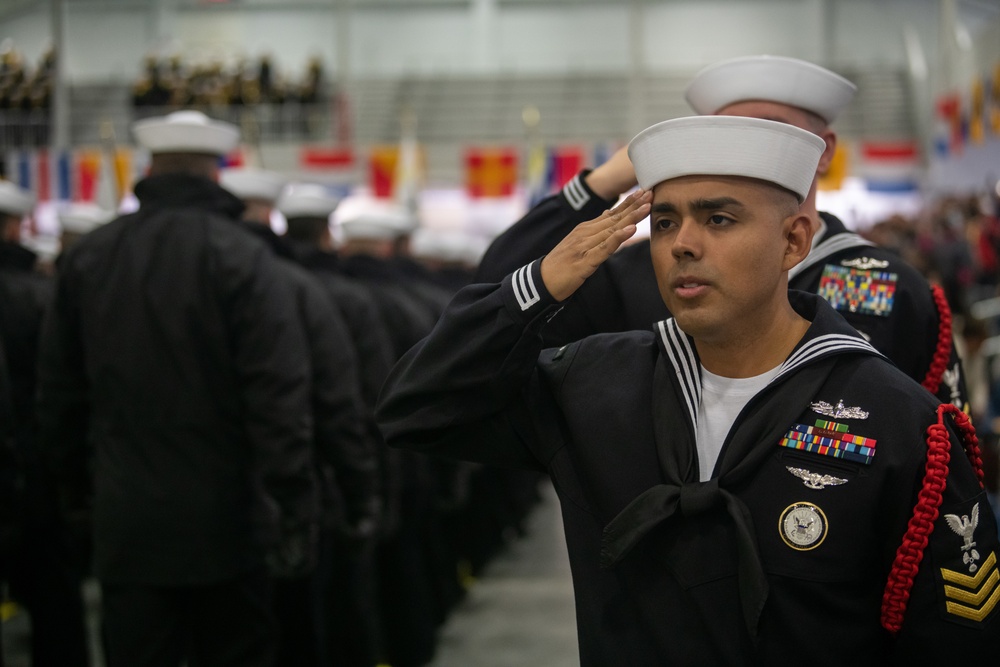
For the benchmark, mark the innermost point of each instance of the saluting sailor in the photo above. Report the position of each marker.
(745, 480)
(883, 297)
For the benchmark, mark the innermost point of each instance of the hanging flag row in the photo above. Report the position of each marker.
(489, 171)
(970, 116)
(81, 175)
(496, 171)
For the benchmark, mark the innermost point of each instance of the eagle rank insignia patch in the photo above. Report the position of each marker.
(968, 579)
(802, 526)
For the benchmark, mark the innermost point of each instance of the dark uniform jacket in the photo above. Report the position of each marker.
(175, 361)
(355, 302)
(782, 557)
(884, 298)
(24, 296)
(343, 420)
(345, 453)
(11, 478)
(407, 315)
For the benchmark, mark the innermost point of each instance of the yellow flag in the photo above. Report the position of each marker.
(833, 179)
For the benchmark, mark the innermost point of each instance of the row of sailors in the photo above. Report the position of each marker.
(367, 549)
(443, 251)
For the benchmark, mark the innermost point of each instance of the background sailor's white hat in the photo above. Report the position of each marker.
(83, 217)
(186, 131)
(451, 245)
(771, 78)
(727, 146)
(388, 223)
(15, 200)
(310, 200)
(248, 183)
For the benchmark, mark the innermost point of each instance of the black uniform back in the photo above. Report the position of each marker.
(175, 358)
(43, 564)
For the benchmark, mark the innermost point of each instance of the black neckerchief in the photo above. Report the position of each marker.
(677, 372)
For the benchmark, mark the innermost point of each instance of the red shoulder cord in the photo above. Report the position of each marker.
(925, 513)
(942, 353)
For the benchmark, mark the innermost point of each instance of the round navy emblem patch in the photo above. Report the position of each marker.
(802, 526)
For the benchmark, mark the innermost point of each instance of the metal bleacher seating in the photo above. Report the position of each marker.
(456, 111)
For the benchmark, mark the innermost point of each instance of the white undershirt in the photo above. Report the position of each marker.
(722, 399)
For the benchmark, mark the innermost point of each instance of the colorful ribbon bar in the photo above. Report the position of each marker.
(830, 439)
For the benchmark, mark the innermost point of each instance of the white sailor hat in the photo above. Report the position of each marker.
(252, 183)
(451, 245)
(727, 146)
(307, 200)
(771, 78)
(82, 217)
(15, 200)
(387, 224)
(186, 132)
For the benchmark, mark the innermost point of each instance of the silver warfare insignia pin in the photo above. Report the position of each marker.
(802, 526)
(965, 527)
(838, 411)
(865, 263)
(815, 480)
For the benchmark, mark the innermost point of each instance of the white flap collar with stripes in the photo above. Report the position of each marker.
(680, 351)
(834, 241)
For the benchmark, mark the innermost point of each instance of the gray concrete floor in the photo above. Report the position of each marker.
(518, 613)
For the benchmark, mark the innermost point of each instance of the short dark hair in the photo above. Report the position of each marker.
(194, 164)
(308, 229)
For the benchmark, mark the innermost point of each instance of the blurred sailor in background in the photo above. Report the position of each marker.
(175, 407)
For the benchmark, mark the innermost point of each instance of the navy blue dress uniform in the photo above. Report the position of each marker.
(845, 499)
(174, 374)
(11, 475)
(409, 599)
(347, 461)
(484, 504)
(356, 629)
(346, 465)
(42, 564)
(444, 539)
(887, 300)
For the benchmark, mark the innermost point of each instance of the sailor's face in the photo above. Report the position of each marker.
(721, 249)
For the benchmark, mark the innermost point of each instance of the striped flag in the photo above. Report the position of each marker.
(565, 163)
(45, 174)
(889, 166)
(315, 158)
